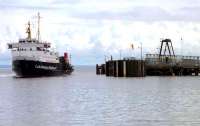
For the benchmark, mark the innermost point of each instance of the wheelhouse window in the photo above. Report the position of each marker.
(39, 49)
(10, 46)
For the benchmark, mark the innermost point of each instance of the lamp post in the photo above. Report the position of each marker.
(120, 54)
(132, 48)
(141, 50)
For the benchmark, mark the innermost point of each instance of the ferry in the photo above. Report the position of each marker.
(33, 57)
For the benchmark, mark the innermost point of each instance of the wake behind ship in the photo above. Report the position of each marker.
(32, 57)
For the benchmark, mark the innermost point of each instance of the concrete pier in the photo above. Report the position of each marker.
(168, 66)
(152, 66)
(125, 68)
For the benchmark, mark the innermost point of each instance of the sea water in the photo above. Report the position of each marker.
(86, 99)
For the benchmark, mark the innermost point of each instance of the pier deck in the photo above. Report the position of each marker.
(161, 64)
(168, 65)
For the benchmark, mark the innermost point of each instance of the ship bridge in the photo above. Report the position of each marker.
(29, 44)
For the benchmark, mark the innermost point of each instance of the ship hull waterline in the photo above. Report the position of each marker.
(29, 68)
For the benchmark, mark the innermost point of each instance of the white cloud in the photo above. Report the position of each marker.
(92, 29)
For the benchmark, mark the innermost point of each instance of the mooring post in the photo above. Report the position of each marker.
(124, 68)
(117, 69)
(97, 70)
(196, 72)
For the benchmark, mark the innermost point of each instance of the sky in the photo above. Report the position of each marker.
(92, 30)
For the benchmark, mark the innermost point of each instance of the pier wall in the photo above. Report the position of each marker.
(123, 68)
(151, 66)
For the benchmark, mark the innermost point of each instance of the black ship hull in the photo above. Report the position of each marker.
(28, 68)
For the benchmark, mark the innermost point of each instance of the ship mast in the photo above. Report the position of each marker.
(38, 31)
(28, 31)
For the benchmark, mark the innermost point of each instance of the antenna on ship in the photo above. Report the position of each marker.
(28, 30)
(38, 32)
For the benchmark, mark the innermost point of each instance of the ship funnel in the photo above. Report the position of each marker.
(66, 57)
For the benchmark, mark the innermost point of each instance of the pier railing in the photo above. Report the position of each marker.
(186, 61)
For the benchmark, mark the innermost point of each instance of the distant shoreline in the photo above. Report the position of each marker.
(5, 66)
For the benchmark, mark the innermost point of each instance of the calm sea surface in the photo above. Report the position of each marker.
(84, 99)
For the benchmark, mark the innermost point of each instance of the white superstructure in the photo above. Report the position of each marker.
(33, 49)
